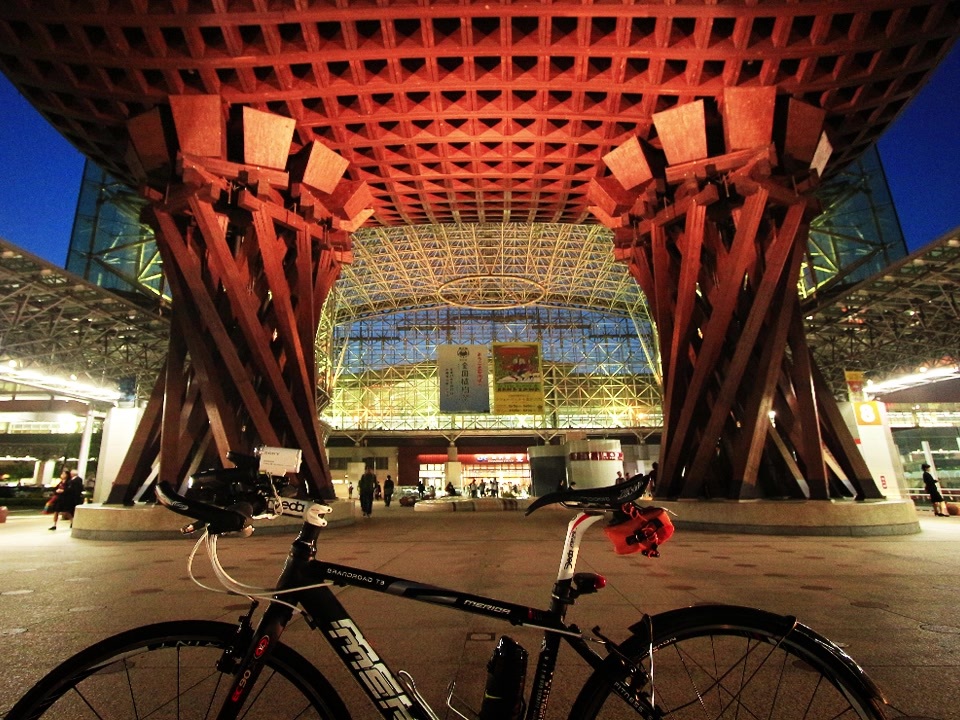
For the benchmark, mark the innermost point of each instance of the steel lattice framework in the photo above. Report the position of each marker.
(53, 320)
(904, 317)
(857, 234)
(556, 264)
(596, 374)
(391, 313)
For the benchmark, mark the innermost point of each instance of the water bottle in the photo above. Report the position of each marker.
(506, 678)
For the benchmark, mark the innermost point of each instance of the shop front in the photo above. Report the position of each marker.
(487, 474)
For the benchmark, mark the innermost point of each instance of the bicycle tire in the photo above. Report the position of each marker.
(168, 670)
(718, 661)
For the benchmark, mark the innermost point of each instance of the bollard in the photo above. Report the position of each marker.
(3, 513)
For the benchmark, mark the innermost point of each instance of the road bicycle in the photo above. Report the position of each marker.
(711, 661)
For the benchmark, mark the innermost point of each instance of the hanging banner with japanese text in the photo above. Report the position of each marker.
(517, 379)
(464, 387)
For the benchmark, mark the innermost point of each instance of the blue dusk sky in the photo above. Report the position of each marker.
(920, 153)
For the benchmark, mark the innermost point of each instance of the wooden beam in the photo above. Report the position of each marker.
(630, 162)
(778, 252)
(318, 166)
(199, 124)
(257, 340)
(750, 444)
(144, 446)
(266, 138)
(804, 125)
(686, 290)
(845, 445)
(174, 389)
(208, 370)
(715, 329)
(176, 254)
(683, 132)
(148, 141)
(810, 447)
(748, 116)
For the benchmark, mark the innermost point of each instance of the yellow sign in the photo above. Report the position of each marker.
(868, 413)
(854, 380)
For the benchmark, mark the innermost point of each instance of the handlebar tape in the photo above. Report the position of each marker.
(218, 520)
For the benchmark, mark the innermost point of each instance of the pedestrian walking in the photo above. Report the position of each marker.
(388, 490)
(367, 486)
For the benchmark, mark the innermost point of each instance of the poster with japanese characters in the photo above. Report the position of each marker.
(464, 383)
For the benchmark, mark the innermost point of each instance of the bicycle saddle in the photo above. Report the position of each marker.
(604, 498)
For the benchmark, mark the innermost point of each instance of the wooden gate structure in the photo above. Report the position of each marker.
(252, 238)
(712, 222)
(694, 130)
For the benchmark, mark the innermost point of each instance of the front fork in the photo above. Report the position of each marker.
(259, 643)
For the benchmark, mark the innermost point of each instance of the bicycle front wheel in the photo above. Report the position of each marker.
(714, 662)
(169, 671)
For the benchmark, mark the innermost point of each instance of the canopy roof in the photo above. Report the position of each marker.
(467, 112)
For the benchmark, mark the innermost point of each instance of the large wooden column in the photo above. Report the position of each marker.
(711, 218)
(253, 231)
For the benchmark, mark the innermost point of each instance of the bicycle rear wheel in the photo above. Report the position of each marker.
(714, 662)
(168, 671)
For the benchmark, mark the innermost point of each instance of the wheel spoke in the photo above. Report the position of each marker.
(163, 672)
(728, 663)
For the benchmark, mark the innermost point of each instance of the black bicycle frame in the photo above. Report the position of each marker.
(391, 697)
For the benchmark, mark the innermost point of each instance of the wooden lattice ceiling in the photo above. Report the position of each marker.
(459, 112)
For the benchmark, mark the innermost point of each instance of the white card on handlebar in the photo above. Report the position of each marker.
(279, 461)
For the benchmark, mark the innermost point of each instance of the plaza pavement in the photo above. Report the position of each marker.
(890, 602)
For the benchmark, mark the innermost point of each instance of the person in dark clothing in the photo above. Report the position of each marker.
(420, 488)
(367, 486)
(932, 487)
(387, 490)
(652, 479)
(69, 494)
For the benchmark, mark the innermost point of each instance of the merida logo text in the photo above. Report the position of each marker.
(485, 606)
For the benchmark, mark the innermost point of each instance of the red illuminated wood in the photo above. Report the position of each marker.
(199, 124)
(470, 111)
(629, 163)
(148, 144)
(266, 138)
(318, 166)
(744, 362)
(248, 273)
(682, 132)
(804, 125)
(718, 256)
(748, 116)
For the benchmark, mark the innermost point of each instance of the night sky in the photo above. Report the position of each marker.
(920, 152)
